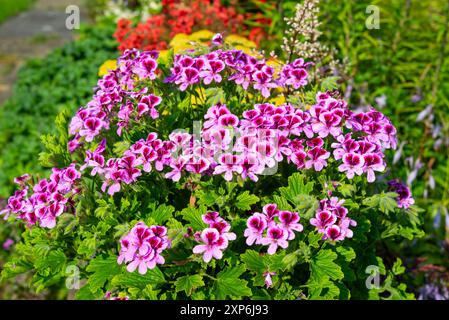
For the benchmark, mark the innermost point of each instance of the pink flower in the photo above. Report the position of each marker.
(270, 210)
(211, 217)
(146, 69)
(263, 83)
(256, 226)
(404, 198)
(323, 219)
(148, 104)
(268, 280)
(91, 128)
(217, 39)
(141, 248)
(373, 162)
(212, 72)
(318, 158)
(177, 165)
(345, 145)
(7, 244)
(328, 124)
(352, 164)
(334, 233)
(228, 164)
(276, 236)
(289, 221)
(331, 220)
(188, 77)
(213, 245)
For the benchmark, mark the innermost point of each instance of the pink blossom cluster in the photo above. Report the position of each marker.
(239, 67)
(142, 156)
(215, 238)
(263, 137)
(273, 228)
(118, 98)
(141, 248)
(404, 198)
(331, 220)
(49, 197)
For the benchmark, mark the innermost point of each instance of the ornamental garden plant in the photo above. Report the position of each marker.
(186, 17)
(214, 174)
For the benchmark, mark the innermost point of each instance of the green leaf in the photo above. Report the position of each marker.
(175, 231)
(322, 288)
(276, 261)
(245, 200)
(253, 261)
(102, 270)
(193, 217)
(329, 83)
(162, 213)
(398, 268)
(85, 293)
(346, 189)
(189, 283)
(150, 294)
(228, 284)
(55, 261)
(88, 246)
(347, 253)
(385, 202)
(120, 147)
(323, 265)
(127, 279)
(314, 239)
(296, 186)
(299, 194)
(214, 96)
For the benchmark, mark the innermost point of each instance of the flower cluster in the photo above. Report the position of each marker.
(265, 136)
(215, 238)
(49, 197)
(404, 198)
(141, 248)
(116, 99)
(331, 220)
(241, 68)
(182, 17)
(273, 228)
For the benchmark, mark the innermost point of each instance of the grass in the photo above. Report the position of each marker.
(12, 7)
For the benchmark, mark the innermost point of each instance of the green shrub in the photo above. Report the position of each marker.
(63, 79)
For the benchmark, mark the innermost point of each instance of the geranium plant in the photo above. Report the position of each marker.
(266, 185)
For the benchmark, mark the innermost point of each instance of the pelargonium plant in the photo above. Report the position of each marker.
(268, 186)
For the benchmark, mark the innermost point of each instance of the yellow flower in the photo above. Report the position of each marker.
(179, 39)
(245, 49)
(107, 66)
(163, 56)
(194, 100)
(180, 42)
(202, 35)
(278, 100)
(235, 39)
